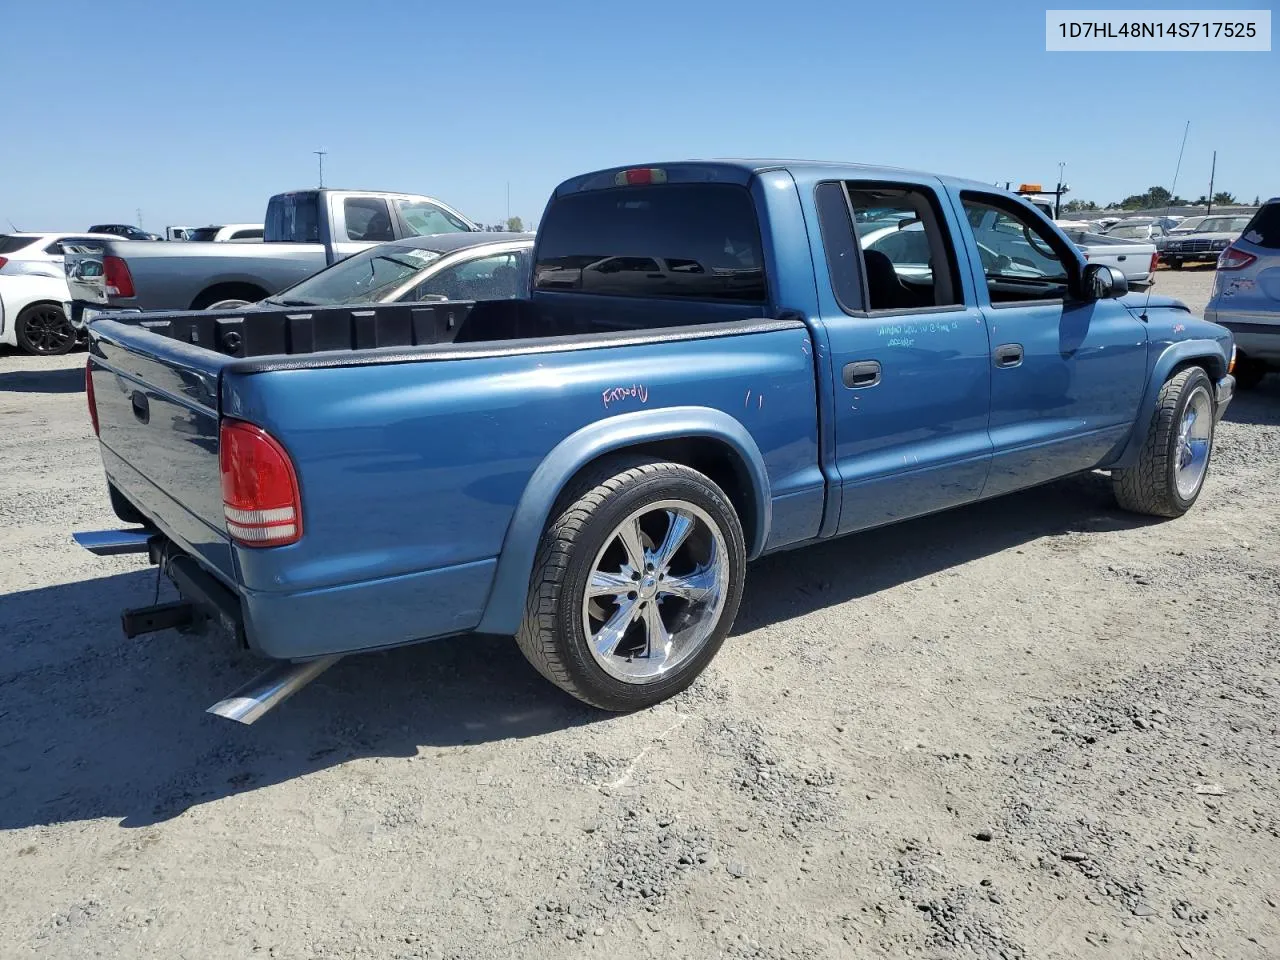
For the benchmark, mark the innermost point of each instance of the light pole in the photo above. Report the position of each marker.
(321, 155)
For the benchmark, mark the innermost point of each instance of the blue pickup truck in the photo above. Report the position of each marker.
(711, 366)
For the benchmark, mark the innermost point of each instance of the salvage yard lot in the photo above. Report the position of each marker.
(1034, 728)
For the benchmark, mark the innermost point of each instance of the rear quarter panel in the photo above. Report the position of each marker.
(417, 466)
(170, 276)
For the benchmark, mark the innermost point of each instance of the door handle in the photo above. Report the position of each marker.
(1008, 355)
(1122, 256)
(863, 373)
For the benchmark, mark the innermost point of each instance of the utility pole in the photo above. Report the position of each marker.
(139, 213)
(508, 221)
(1212, 170)
(321, 155)
(1057, 196)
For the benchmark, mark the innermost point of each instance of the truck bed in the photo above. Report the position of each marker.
(294, 331)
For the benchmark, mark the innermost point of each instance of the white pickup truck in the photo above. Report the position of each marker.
(1136, 259)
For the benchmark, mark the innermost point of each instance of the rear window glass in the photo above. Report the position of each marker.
(687, 241)
(10, 244)
(203, 233)
(1264, 228)
(293, 218)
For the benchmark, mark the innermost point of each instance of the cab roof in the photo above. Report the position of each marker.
(741, 171)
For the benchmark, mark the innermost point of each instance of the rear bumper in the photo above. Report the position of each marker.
(1258, 341)
(303, 624)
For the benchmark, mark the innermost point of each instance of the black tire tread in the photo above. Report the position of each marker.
(1145, 487)
(20, 331)
(536, 636)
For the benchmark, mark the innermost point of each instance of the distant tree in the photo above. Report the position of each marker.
(1201, 201)
(1079, 206)
(1257, 200)
(1154, 197)
(515, 225)
(1223, 197)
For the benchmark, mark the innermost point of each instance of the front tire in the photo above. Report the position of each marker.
(44, 330)
(1175, 264)
(636, 584)
(1174, 459)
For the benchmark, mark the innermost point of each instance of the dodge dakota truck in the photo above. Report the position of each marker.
(709, 367)
(305, 230)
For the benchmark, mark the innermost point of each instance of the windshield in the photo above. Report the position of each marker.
(1223, 225)
(424, 219)
(203, 233)
(365, 277)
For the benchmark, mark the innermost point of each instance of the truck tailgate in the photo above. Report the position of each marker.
(157, 404)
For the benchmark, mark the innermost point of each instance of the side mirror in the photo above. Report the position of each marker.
(1102, 282)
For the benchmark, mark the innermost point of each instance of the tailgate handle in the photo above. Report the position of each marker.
(141, 407)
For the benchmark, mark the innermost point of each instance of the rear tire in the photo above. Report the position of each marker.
(1175, 264)
(1174, 459)
(597, 614)
(44, 330)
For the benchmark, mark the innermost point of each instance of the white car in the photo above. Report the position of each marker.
(33, 288)
(226, 233)
(40, 253)
(31, 314)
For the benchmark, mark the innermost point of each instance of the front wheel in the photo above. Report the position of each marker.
(1175, 264)
(636, 584)
(43, 329)
(1174, 459)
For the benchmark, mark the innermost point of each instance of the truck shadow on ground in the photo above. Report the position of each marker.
(69, 380)
(92, 725)
(1259, 406)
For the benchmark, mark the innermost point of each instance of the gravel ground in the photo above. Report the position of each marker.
(1032, 728)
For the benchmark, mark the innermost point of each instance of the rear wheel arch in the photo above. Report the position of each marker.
(707, 440)
(230, 290)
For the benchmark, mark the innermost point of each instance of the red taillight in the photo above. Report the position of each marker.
(115, 273)
(88, 395)
(1233, 259)
(637, 176)
(260, 498)
(3, 261)
(1155, 261)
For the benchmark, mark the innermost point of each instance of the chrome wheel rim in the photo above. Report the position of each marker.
(1195, 438)
(656, 591)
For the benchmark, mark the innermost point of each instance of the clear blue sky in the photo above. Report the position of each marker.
(196, 113)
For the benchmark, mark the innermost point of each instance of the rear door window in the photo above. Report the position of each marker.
(10, 244)
(691, 241)
(1264, 228)
(904, 258)
(367, 219)
(251, 234)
